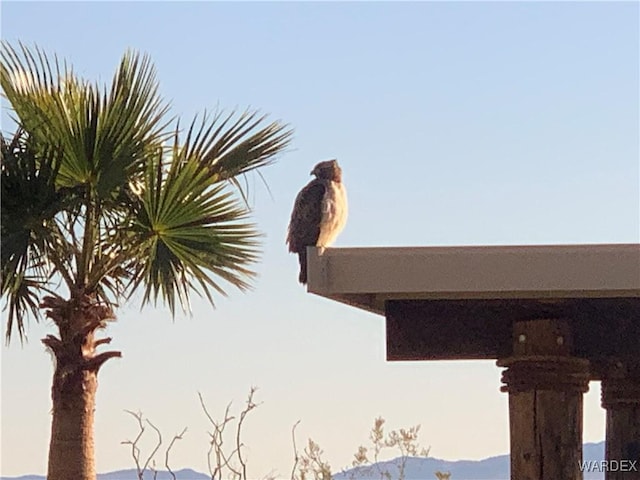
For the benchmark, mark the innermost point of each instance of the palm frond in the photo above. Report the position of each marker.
(191, 232)
(31, 243)
(23, 298)
(231, 146)
(105, 136)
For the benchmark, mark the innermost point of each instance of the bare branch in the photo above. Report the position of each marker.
(204, 407)
(214, 444)
(220, 460)
(166, 457)
(135, 451)
(443, 475)
(404, 440)
(270, 476)
(296, 458)
(250, 406)
(223, 460)
(157, 447)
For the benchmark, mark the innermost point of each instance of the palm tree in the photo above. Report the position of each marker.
(103, 195)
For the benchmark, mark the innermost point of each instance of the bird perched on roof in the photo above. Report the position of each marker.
(319, 213)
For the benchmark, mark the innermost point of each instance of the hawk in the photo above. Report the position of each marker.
(319, 213)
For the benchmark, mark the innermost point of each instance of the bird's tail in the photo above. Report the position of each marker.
(302, 258)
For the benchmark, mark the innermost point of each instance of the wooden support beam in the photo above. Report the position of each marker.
(545, 385)
(621, 399)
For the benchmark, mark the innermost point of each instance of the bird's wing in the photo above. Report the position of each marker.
(304, 228)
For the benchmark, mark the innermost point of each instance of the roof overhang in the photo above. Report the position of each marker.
(366, 278)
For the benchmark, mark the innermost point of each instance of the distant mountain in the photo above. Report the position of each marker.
(131, 474)
(493, 468)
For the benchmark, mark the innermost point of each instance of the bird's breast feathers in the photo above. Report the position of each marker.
(334, 213)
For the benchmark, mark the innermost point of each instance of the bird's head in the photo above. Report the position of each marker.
(329, 170)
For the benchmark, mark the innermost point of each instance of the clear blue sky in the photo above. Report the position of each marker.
(455, 124)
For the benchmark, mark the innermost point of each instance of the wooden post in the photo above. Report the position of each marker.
(621, 399)
(545, 385)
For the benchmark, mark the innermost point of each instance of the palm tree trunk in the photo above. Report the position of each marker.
(71, 450)
(75, 382)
